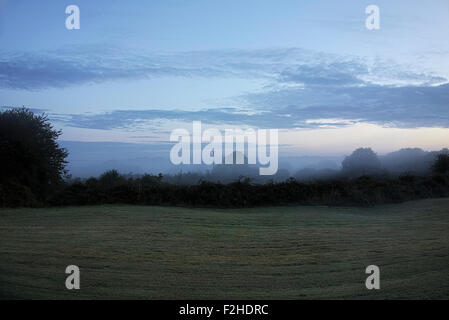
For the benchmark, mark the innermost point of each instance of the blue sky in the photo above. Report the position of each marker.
(137, 69)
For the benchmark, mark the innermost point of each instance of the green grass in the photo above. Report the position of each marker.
(261, 253)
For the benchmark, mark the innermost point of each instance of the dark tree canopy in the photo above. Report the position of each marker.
(31, 161)
(441, 165)
(362, 161)
(111, 178)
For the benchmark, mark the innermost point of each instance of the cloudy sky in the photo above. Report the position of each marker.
(138, 69)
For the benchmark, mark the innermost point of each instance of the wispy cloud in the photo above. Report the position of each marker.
(411, 106)
(93, 64)
(306, 89)
(405, 107)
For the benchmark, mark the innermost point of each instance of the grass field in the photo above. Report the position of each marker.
(261, 253)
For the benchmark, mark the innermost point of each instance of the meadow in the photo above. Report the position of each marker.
(297, 252)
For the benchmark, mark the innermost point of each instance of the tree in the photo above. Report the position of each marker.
(441, 164)
(362, 161)
(111, 178)
(30, 156)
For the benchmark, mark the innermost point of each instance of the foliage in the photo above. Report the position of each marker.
(441, 165)
(362, 161)
(150, 190)
(31, 161)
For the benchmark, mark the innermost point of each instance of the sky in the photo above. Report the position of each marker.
(136, 70)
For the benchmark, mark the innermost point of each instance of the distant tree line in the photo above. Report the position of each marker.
(150, 190)
(32, 173)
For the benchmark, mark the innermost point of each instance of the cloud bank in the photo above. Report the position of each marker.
(305, 89)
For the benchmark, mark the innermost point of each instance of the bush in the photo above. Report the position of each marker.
(150, 190)
(441, 164)
(14, 195)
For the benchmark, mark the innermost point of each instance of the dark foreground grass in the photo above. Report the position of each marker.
(264, 253)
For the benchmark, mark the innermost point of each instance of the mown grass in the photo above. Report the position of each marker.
(262, 253)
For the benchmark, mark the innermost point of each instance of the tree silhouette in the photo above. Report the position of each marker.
(441, 165)
(362, 161)
(111, 178)
(31, 160)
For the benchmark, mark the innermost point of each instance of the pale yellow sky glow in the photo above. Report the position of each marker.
(337, 141)
(320, 141)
